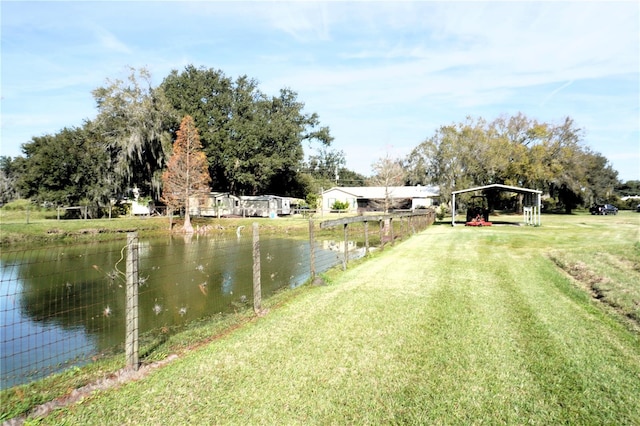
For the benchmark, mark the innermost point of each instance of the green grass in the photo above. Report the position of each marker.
(43, 227)
(453, 326)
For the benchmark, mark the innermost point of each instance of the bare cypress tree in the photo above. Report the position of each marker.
(187, 173)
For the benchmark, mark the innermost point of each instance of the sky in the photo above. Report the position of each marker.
(383, 76)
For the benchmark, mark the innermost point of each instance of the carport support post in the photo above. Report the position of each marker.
(539, 209)
(453, 209)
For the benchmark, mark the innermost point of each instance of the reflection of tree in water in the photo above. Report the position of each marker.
(95, 307)
(82, 287)
(71, 289)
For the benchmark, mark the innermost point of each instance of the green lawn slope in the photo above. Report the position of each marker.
(453, 326)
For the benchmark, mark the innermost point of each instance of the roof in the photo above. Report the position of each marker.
(515, 189)
(378, 192)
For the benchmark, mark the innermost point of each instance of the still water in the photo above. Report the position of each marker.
(61, 306)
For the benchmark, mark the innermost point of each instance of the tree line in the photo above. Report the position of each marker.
(517, 151)
(254, 143)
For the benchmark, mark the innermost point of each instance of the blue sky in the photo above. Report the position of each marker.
(382, 75)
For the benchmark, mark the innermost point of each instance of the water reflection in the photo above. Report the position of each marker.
(60, 306)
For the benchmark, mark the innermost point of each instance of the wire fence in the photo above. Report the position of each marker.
(67, 306)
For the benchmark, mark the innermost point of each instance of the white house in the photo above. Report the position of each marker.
(372, 198)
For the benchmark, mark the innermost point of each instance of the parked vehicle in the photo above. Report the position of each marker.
(603, 209)
(638, 208)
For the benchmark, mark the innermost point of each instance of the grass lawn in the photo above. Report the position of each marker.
(41, 227)
(453, 326)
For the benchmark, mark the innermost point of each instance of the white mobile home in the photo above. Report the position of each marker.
(259, 205)
(265, 205)
(215, 204)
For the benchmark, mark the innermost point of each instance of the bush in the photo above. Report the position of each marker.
(629, 204)
(19, 205)
(549, 205)
(441, 212)
(339, 205)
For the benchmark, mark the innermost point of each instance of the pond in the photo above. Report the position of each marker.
(61, 306)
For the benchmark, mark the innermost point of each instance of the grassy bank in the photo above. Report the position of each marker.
(456, 325)
(42, 227)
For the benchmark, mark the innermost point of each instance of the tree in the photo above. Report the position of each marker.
(601, 180)
(514, 151)
(630, 188)
(253, 142)
(8, 177)
(136, 123)
(388, 173)
(187, 173)
(441, 160)
(63, 168)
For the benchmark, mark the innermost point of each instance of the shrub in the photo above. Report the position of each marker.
(19, 205)
(339, 205)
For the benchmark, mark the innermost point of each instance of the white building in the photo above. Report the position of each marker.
(372, 198)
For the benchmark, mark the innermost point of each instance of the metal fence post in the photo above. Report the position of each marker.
(131, 337)
(257, 291)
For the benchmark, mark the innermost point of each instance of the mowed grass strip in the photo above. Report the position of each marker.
(453, 326)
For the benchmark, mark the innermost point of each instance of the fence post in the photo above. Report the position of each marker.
(131, 337)
(366, 238)
(346, 247)
(312, 250)
(391, 229)
(381, 223)
(257, 291)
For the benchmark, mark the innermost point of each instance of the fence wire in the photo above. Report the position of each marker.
(65, 306)
(43, 301)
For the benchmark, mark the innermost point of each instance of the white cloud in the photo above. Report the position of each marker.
(110, 42)
(377, 73)
(305, 21)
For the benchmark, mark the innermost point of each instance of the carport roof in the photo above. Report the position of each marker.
(515, 189)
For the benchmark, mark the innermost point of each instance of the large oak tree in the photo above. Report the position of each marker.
(254, 142)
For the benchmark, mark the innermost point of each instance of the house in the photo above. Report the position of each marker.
(215, 204)
(140, 207)
(265, 205)
(374, 198)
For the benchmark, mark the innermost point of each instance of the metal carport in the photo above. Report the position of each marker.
(532, 202)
